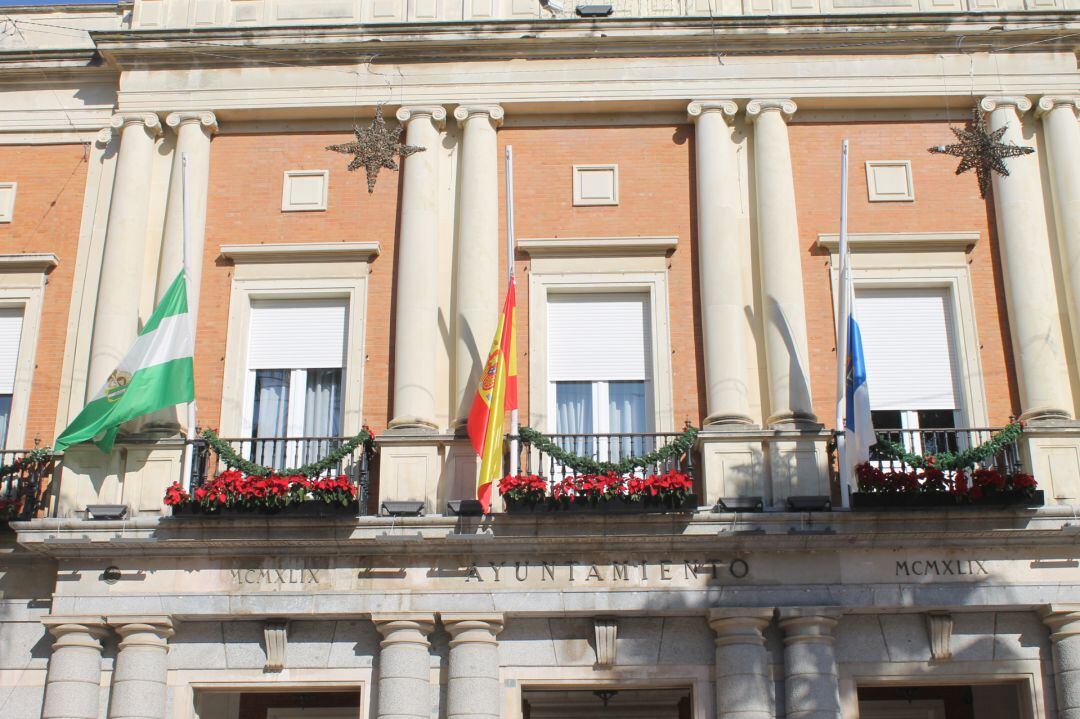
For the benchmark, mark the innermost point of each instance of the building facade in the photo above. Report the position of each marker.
(676, 168)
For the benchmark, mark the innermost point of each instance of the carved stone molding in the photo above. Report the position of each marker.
(785, 107)
(495, 113)
(118, 122)
(699, 107)
(1049, 102)
(994, 102)
(606, 630)
(939, 627)
(437, 113)
(207, 120)
(276, 638)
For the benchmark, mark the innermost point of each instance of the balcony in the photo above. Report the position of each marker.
(25, 482)
(325, 460)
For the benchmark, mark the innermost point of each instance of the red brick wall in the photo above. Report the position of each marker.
(246, 175)
(656, 198)
(48, 215)
(943, 202)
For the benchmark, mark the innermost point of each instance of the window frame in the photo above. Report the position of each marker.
(924, 261)
(600, 265)
(22, 286)
(295, 272)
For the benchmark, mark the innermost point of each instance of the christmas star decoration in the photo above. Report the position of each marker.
(375, 147)
(982, 151)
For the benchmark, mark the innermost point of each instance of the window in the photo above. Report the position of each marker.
(910, 363)
(11, 321)
(7, 200)
(296, 356)
(599, 371)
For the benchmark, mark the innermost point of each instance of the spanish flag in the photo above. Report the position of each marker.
(496, 395)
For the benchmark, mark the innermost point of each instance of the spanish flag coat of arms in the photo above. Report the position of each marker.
(495, 395)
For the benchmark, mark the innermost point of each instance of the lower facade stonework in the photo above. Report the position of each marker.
(763, 663)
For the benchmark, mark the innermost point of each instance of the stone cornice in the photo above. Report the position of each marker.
(570, 37)
(302, 252)
(606, 246)
(896, 241)
(29, 262)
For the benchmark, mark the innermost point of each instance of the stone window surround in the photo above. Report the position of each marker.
(924, 260)
(22, 285)
(600, 264)
(1027, 673)
(193, 684)
(296, 271)
(7, 212)
(699, 678)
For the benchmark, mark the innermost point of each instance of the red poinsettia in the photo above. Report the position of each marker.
(972, 485)
(524, 488)
(234, 489)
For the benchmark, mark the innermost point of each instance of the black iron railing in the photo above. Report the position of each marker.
(935, 441)
(284, 452)
(612, 448)
(25, 479)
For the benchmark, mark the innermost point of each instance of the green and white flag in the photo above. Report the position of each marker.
(156, 373)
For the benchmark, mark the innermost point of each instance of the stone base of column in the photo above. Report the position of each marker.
(797, 467)
(410, 468)
(1051, 452)
(133, 475)
(732, 465)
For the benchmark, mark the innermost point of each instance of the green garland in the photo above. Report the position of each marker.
(41, 455)
(313, 469)
(952, 460)
(682, 443)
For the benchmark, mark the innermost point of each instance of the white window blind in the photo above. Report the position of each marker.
(909, 347)
(297, 334)
(10, 333)
(598, 337)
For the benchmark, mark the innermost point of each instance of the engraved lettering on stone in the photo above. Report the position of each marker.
(521, 571)
(594, 573)
(472, 573)
(665, 570)
(940, 568)
(495, 567)
(275, 577)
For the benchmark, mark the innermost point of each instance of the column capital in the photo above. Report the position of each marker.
(494, 113)
(121, 120)
(784, 106)
(142, 629)
(437, 113)
(1062, 619)
(993, 102)
(1050, 102)
(472, 627)
(67, 629)
(697, 108)
(404, 627)
(206, 120)
(809, 624)
(740, 625)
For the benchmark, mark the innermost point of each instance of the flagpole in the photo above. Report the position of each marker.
(514, 459)
(185, 259)
(844, 309)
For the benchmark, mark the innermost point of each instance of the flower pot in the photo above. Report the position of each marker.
(309, 508)
(614, 505)
(885, 501)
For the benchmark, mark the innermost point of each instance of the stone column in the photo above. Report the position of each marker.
(811, 683)
(193, 132)
(476, 252)
(1027, 265)
(73, 682)
(780, 263)
(1062, 138)
(404, 665)
(416, 301)
(744, 687)
(473, 675)
(142, 665)
(116, 315)
(1064, 623)
(720, 264)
